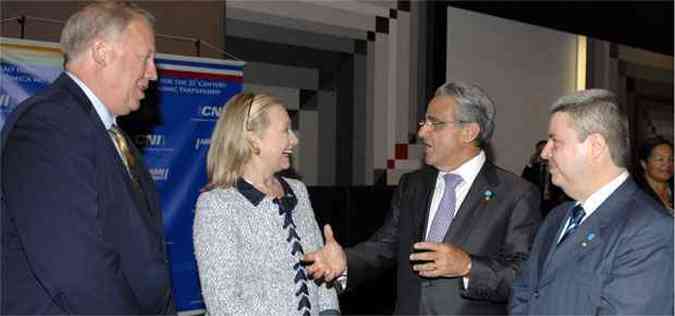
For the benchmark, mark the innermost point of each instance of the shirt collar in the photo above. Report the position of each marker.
(598, 197)
(468, 170)
(104, 114)
(253, 195)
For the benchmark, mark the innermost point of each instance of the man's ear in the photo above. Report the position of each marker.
(598, 146)
(470, 132)
(100, 53)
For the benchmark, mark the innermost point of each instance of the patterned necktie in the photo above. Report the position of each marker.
(123, 148)
(577, 215)
(446, 209)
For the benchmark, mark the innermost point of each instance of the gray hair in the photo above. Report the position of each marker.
(597, 111)
(473, 106)
(101, 19)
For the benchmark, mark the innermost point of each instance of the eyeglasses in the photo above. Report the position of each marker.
(436, 125)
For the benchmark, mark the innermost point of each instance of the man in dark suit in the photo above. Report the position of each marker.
(81, 224)
(467, 257)
(609, 252)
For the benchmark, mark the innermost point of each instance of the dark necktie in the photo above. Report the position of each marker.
(577, 215)
(123, 149)
(446, 209)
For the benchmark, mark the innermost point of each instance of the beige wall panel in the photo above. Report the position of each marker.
(523, 68)
(294, 23)
(59, 11)
(363, 8)
(308, 147)
(392, 85)
(370, 113)
(290, 96)
(309, 12)
(172, 19)
(381, 101)
(403, 78)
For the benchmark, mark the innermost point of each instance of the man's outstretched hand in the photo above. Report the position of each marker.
(328, 262)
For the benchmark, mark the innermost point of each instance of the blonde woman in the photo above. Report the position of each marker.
(252, 227)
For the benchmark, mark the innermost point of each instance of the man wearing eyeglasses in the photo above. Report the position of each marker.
(458, 228)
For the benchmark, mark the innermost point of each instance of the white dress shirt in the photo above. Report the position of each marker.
(107, 118)
(597, 198)
(468, 171)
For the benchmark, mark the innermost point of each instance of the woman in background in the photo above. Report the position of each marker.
(251, 227)
(656, 162)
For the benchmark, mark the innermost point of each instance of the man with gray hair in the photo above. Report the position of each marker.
(458, 228)
(610, 252)
(81, 224)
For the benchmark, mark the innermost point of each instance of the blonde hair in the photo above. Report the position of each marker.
(230, 148)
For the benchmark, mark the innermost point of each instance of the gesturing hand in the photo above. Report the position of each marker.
(328, 262)
(444, 260)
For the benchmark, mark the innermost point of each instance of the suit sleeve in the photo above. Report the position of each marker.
(49, 181)
(642, 273)
(377, 253)
(491, 276)
(520, 291)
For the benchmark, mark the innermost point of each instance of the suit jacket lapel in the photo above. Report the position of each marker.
(592, 233)
(548, 241)
(88, 107)
(552, 259)
(427, 185)
(67, 83)
(473, 204)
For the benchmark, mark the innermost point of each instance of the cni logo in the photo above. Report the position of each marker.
(154, 140)
(211, 111)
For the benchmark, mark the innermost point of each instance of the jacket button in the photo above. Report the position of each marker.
(536, 294)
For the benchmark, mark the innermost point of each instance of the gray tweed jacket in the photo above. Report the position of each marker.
(245, 262)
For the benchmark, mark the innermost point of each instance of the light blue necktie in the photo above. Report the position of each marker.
(446, 209)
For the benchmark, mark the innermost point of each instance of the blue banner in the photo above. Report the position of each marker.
(172, 128)
(191, 92)
(27, 67)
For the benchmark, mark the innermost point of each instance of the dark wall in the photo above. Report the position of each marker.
(643, 24)
(355, 213)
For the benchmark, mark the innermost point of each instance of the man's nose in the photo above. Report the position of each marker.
(151, 71)
(546, 152)
(422, 131)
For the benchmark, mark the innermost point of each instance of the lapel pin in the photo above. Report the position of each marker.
(590, 236)
(488, 195)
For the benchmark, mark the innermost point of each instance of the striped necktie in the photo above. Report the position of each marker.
(123, 149)
(577, 215)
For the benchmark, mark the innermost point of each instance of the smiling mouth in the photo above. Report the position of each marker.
(142, 85)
